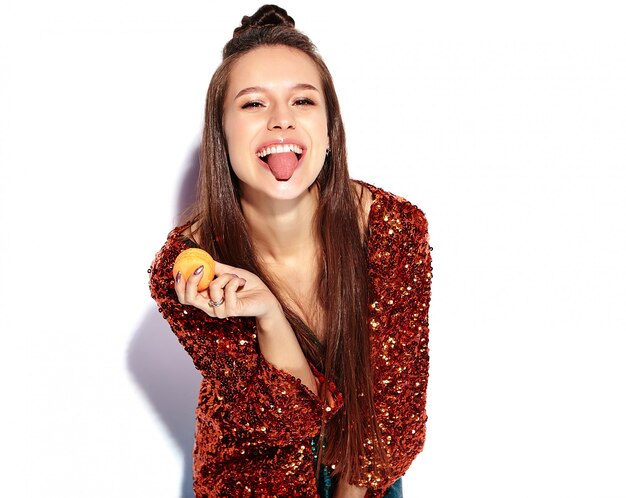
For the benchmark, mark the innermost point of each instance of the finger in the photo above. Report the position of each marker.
(216, 287)
(191, 286)
(230, 294)
(179, 287)
(183, 292)
(217, 293)
(207, 307)
(221, 268)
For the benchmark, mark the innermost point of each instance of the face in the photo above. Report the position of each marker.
(275, 122)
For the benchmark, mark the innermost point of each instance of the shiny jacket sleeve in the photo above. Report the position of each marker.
(249, 397)
(401, 285)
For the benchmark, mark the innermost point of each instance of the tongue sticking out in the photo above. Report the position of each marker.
(282, 164)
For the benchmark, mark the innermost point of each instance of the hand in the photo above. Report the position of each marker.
(238, 292)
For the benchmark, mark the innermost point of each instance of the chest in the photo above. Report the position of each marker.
(299, 289)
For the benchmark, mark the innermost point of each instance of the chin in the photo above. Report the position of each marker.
(285, 190)
(290, 189)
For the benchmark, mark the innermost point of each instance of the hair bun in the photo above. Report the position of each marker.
(267, 16)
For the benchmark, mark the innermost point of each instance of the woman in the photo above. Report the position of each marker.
(312, 338)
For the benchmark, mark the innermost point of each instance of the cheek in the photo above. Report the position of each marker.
(239, 135)
(230, 130)
(316, 127)
(322, 125)
(235, 134)
(241, 129)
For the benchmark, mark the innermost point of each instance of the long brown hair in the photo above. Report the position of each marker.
(342, 286)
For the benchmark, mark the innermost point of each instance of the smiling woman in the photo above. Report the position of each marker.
(275, 116)
(312, 339)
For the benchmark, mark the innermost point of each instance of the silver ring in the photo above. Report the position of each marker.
(214, 304)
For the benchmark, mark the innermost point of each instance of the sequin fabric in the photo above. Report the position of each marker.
(255, 423)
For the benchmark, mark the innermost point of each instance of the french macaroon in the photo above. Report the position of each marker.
(189, 260)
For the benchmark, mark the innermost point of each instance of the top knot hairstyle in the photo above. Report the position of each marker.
(270, 25)
(268, 15)
(342, 281)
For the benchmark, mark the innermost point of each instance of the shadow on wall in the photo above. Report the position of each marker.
(162, 368)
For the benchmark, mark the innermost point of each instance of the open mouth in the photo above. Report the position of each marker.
(279, 149)
(281, 159)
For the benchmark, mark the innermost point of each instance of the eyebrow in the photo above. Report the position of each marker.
(259, 89)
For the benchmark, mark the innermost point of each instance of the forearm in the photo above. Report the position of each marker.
(280, 347)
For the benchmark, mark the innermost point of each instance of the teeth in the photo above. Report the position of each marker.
(277, 149)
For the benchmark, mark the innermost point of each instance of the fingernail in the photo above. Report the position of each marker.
(178, 275)
(199, 270)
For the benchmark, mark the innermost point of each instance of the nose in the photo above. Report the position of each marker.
(281, 118)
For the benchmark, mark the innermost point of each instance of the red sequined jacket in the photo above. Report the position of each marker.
(255, 422)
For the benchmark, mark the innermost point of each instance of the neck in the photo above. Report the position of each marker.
(282, 230)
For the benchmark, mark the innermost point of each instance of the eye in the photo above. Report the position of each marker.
(254, 104)
(303, 101)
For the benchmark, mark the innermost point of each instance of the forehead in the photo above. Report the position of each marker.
(273, 67)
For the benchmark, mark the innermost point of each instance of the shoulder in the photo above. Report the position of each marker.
(397, 235)
(176, 241)
(398, 249)
(393, 213)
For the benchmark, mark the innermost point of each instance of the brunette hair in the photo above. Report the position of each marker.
(352, 436)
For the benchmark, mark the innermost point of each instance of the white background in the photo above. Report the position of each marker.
(504, 121)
